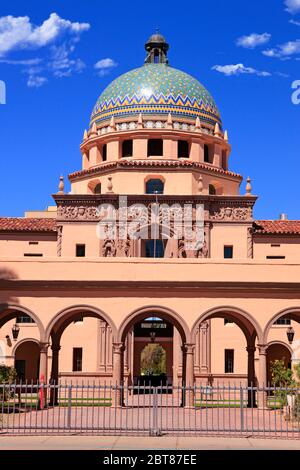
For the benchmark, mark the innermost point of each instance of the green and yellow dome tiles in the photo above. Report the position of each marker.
(156, 89)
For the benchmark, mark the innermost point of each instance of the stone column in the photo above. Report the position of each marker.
(43, 372)
(262, 375)
(251, 376)
(102, 345)
(118, 352)
(189, 375)
(204, 347)
(54, 374)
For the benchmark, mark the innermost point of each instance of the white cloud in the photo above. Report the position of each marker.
(35, 81)
(104, 66)
(28, 62)
(297, 23)
(253, 40)
(293, 6)
(20, 33)
(61, 64)
(238, 69)
(284, 51)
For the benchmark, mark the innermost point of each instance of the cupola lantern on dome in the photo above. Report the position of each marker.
(157, 48)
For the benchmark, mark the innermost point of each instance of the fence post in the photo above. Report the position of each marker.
(69, 406)
(242, 407)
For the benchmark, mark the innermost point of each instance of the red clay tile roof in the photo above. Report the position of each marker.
(289, 227)
(23, 224)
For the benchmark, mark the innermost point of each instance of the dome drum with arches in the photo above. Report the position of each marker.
(156, 89)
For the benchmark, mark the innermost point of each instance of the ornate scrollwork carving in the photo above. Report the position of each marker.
(230, 213)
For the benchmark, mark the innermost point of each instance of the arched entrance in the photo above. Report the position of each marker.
(277, 351)
(27, 360)
(100, 362)
(171, 322)
(14, 320)
(252, 333)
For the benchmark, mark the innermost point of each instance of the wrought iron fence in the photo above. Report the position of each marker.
(229, 410)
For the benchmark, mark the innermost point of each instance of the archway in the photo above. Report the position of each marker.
(277, 350)
(201, 336)
(27, 360)
(167, 317)
(77, 360)
(16, 317)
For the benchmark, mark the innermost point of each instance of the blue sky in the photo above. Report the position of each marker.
(247, 54)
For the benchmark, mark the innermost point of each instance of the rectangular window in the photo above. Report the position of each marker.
(80, 251)
(33, 254)
(183, 149)
(228, 251)
(33, 243)
(275, 257)
(24, 319)
(282, 321)
(77, 359)
(229, 361)
(155, 148)
(104, 152)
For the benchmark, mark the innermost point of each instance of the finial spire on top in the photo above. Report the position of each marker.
(248, 187)
(61, 185)
(157, 48)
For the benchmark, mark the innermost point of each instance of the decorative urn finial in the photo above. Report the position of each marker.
(248, 187)
(61, 185)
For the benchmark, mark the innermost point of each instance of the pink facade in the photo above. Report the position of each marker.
(87, 295)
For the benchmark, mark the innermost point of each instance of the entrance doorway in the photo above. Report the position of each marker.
(153, 352)
(27, 359)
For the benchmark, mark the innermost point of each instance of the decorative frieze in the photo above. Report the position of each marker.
(230, 213)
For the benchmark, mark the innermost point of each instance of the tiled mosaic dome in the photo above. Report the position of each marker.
(156, 89)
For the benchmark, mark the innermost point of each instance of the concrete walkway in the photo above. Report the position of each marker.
(149, 443)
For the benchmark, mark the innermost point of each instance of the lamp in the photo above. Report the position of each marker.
(152, 336)
(290, 334)
(15, 331)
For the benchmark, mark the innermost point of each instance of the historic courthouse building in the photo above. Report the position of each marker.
(81, 297)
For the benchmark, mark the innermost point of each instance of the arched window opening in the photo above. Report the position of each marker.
(206, 153)
(155, 148)
(156, 56)
(127, 148)
(104, 152)
(212, 189)
(183, 149)
(154, 186)
(97, 189)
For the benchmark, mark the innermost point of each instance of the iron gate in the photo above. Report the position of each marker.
(95, 409)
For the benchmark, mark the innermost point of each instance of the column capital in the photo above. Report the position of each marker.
(118, 348)
(56, 347)
(251, 349)
(262, 349)
(44, 347)
(188, 348)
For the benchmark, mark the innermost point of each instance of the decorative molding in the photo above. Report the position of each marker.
(163, 163)
(59, 239)
(229, 213)
(250, 242)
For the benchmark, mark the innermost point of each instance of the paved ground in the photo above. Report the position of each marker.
(134, 443)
